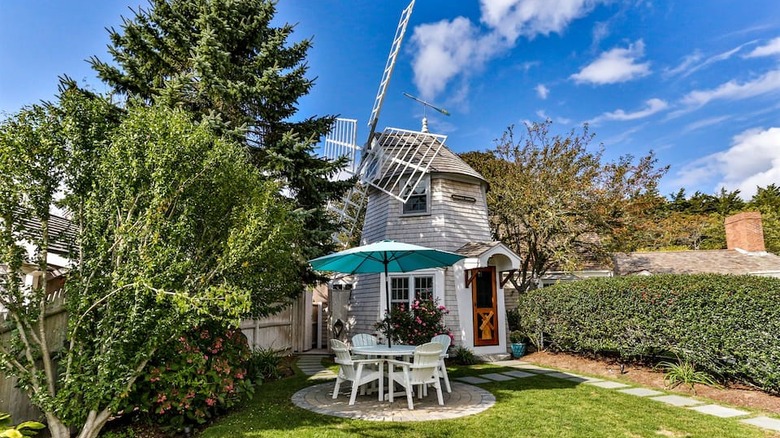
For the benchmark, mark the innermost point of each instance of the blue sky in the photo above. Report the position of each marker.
(696, 82)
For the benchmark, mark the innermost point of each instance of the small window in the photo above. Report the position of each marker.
(399, 292)
(418, 201)
(423, 288)
(402, 294)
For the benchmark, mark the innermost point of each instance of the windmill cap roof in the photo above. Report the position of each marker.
(445, 161)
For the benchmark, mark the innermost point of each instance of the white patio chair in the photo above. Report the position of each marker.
(423, 370)
(363, 340)
(445, 341)
(359, 372)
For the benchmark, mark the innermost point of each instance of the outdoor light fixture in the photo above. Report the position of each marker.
(338, 327)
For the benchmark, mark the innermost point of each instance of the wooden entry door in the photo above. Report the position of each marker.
(483, 299)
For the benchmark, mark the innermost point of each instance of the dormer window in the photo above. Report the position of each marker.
(418, 201)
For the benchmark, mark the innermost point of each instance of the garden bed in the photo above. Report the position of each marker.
(736, 395)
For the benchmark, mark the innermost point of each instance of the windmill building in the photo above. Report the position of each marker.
(415, 190)
(442, 207)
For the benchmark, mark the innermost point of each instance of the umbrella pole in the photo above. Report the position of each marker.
(387, 305)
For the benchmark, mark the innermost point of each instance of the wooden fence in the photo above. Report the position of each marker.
(291, 330)
(13, 400)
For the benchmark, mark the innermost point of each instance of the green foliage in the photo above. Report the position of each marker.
(172, 226)
(767, 201)
(28, 428)
(228, 62)
(550, 196)
(263, 364)
(464, 356)
(685, 373)
(416, 325)
(124, 433)
(513, 319)
(725, 324)
(203, 375)
(178, 228)
(517, 337)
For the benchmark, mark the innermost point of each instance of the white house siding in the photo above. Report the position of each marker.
(364, 304)
(450, 225)
(377, 219)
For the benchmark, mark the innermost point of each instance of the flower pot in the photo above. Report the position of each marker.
(518, 350)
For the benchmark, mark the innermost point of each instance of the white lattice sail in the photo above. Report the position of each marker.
(341, 141)
(399, 159)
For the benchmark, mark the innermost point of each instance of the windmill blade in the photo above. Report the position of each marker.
(341, 141)
(394, 49)
(398, 161)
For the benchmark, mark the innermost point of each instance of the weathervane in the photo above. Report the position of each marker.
(426, 105)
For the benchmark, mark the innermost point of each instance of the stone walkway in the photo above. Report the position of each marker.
(468, 399)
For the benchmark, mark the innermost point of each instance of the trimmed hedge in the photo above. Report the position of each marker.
(727, 325)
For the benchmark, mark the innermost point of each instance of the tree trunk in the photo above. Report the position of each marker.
(56, 427)
(94, 424)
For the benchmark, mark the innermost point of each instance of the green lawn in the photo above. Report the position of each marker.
(531, 407)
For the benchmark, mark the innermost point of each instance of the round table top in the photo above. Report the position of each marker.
(384, 350)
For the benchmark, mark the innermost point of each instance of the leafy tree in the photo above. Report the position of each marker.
(553, 202)
(174, 226)
(767, 201)
(222, 60)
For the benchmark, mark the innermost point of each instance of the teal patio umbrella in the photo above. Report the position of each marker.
(385, 256)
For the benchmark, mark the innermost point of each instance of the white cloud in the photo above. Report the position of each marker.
(769, 49)
(446, 49)
(600, 31)
(752, 160)
(454, 48)
(705, 123)
(685, 65)
(513, 18)
(690, 64)
(652, 106)
(542, 91)
(616, 65)
(732, 90)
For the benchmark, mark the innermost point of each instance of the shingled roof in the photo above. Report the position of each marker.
(475, 249)
(724, 261)
(445, 161)
(62, 232)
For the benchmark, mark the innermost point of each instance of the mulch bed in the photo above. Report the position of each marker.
(735, 395)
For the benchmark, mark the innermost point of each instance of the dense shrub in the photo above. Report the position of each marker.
(202, 374)
(417, 324)
(464, 356)
(263, 364)
(727, 325)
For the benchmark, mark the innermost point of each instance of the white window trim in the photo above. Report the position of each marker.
(427, 181)
(438, 286)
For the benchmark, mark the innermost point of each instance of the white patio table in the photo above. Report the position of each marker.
(385, 352)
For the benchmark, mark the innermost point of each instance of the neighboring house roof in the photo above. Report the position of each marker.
(723, 261)
(62, 232)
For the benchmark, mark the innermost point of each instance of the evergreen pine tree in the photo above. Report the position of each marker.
(223, 61)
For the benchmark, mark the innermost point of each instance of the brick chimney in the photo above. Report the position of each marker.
(744, 231)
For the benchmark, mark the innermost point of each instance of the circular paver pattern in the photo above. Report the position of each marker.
(462, 401)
